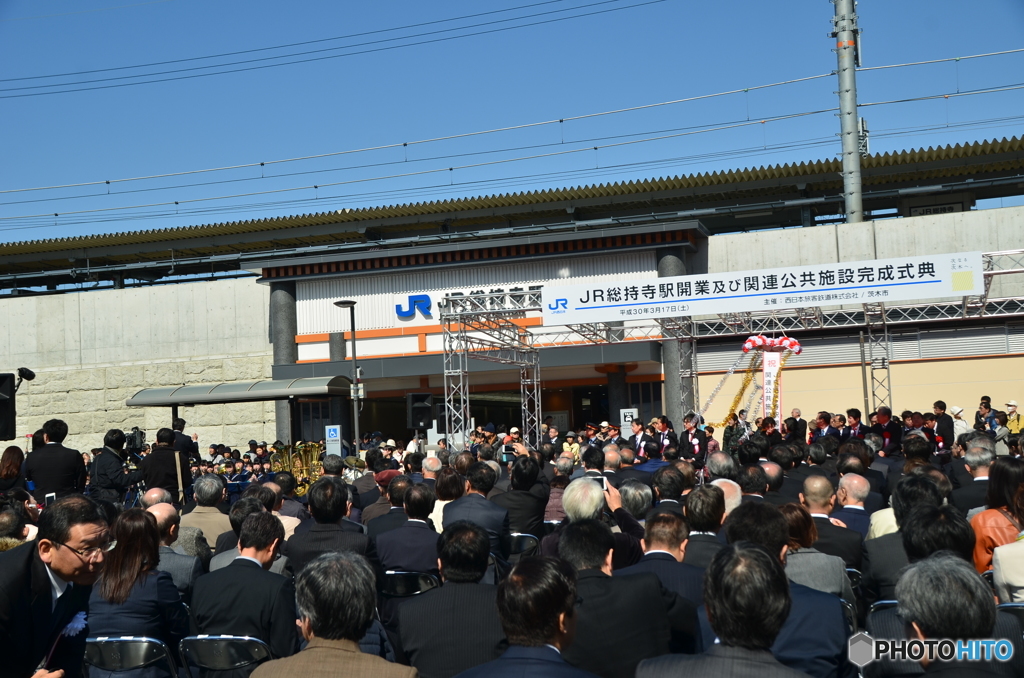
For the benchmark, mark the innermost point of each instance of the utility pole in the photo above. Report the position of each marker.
(848, 52)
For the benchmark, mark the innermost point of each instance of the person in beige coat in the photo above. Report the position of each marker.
(336, 597)
(206, 516)
(1008, 563)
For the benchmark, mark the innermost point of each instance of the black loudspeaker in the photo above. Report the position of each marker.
(7, 413)
(439, 418)
(419, 410)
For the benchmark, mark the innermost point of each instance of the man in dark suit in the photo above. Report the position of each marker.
(665, 436)
(525, 508)
(474, 507)
(819, 499)
(244, 598)
(56, 469)
(668, 484)
(382, 505)
(639, 438)
(943, 425)
(164, 466)
(627, 469)
(885, 557)
(748, 603)
(612, 464)
(328, 502)
(978, 460)
(45, 583)
(694, 442)
(814, 636)
(753, 482)
(396, 516)
(366, 485)
(705, 511)
(800, 430)
(891, 431)
(228, 549)
(853, 491)
(290, 506)
(665, 538)
(462, 613)
(646, 619)
(187, 445)
(823, 427)
(184, 570)
(854, 426)
(537, 607)
(412, 546)
(929, 590)
(107, 477)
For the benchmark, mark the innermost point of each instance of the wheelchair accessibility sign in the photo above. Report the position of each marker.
(333, 433)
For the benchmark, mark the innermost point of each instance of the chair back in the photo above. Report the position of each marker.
(523, 543)
(223, 653)
(854, 576)
(882, 605)
(405, 584)
(990, 578)
(127, 653)
(1015, 609)
(850, 612)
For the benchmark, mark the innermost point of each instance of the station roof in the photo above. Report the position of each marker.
(241, 392)
(220, 246)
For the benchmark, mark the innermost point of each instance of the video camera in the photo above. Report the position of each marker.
(134, 441)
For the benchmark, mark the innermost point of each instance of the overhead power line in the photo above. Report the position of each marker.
(70, 87)
(452, 168)
(418, 24)
(504, 182)
(488, 131)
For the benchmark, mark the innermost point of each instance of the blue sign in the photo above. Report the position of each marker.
(417, 302)
(333, 433)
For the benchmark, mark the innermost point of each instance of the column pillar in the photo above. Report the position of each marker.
(341, 408)
(618, 393)
(283, 328)
(672, 262)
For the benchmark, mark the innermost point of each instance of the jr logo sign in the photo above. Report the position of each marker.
(417, 302)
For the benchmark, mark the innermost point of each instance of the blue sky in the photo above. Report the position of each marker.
(633, 53)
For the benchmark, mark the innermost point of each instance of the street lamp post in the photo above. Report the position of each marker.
(351, 306)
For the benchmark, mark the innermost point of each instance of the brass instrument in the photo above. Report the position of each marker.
(302, 460)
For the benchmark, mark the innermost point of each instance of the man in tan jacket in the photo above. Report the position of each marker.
(336, 597)
(209, 491)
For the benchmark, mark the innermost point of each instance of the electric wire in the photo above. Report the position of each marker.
(283, 46)
(522, 179)
(494, 130)
(319, 58)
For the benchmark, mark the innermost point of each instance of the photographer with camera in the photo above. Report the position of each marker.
(110, 477)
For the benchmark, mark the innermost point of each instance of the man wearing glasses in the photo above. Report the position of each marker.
(45, 584)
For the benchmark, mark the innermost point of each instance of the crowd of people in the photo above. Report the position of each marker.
(661, 553)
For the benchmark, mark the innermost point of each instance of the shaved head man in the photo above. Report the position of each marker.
(184, 569)
(835, 538)
(853, 492)
(818, 495)
(156, 496)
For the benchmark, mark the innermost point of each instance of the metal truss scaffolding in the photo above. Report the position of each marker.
(484, 327)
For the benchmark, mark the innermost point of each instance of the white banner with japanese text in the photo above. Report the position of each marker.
(771, 366)
(935, 276)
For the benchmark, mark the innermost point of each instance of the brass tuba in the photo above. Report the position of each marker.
(302, 460)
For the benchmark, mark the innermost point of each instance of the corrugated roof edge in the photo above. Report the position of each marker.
(888, 159)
